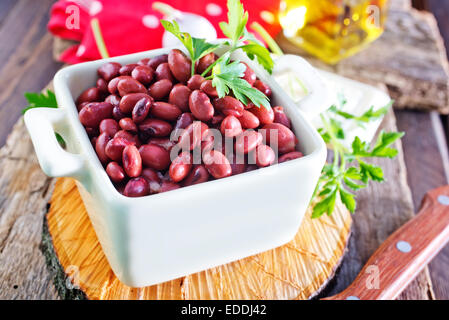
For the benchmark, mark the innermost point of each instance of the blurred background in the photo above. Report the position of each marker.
(409, 59)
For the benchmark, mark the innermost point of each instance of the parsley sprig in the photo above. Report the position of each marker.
(226, 74)
(349, 169)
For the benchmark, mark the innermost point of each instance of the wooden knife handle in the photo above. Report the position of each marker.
(405, 253)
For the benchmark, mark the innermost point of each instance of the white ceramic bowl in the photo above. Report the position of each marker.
(160, 237)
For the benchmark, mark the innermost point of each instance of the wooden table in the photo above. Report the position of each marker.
(28, 65)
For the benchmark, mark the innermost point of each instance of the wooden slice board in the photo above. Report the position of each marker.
(297, 270)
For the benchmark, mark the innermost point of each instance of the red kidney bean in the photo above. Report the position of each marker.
(155, 128)
(195, 82)
(115, 172)
(143, 74)
(180, 166)
(209, 89)
(248, 120)
(141, 109)
(238, 166)
(92, 132)
(130, 85)
(281, 117)
(263, 156)
(153, 179)
(217, 164)
(114, 148)
(89, 95)
(117, 114)
(247, 141)
(265, 115)
(137, 187)
(262, 87)
(290, 156)
(193, 135)
(216, 120)
(230, 127)
(163, 72)
(168, 186)
(128, 136)
(184, 120)
(112, 85)
(165, 143)
(128, 101)
(180, 65)
(155, 61)
(81, 105)
(200, 106)
(205, 62)
(198, 174)
(102, 86)
(151, 175)
(251, 167)
(249, 75)
(128, 125)
(154, 156)
(165, 111)
(92, 113)
(229, 106)
(160, 89)
(109, 70)
(286, 138)
(127, 69)
(110, 126)
(100, 146)
(132, 161)
(179, 96)
(113, 99)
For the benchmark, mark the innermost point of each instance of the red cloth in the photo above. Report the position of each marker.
(132, 26)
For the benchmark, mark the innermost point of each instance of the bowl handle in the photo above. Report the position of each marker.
(53, 159)
(317, 99)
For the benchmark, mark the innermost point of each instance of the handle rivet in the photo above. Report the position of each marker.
(352, 298)
(403, 246)
(444, 200)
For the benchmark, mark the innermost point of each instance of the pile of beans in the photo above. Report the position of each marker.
(148, 119)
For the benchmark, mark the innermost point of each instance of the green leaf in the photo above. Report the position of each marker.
(348, 199)
(40, 100)
(227, 76)
(353, 185)
(369, 171)
(254, 50)
(201, 48)
(326, 205)
(385, 139)
(237, 19)
(360, 148)
(337, 129)
(184, 37)
(353, 173)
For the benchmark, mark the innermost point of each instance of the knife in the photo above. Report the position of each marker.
(405, 253)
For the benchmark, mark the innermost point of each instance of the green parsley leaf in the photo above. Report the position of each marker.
(326, 205)
(254, 50)
(369, 171)
(40, 100)
(336, 176)
(237, 19)
(227, 76)
(348, 199)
